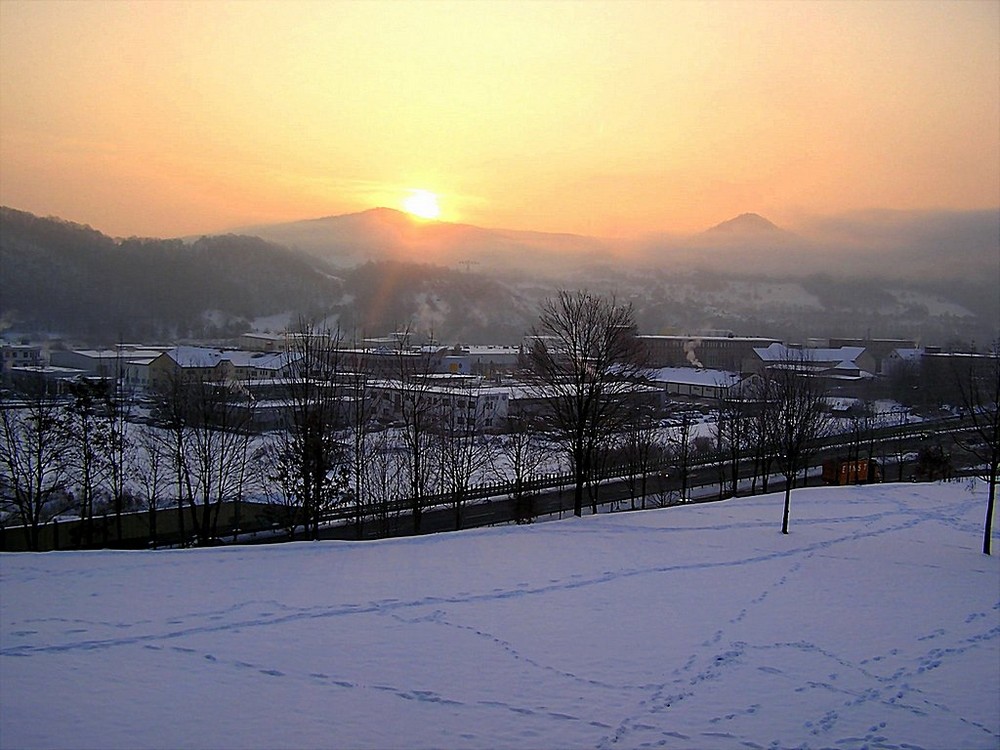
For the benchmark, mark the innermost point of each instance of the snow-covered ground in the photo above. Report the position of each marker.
(875, 623)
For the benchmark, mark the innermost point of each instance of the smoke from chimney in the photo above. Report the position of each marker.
(689, 347)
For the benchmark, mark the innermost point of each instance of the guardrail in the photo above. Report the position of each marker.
(540, 483)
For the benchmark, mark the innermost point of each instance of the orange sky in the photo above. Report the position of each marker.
(171, 118)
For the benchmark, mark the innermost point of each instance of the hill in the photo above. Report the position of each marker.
(914, 247)
(64, 278)
(874, 623)
(382, 234)
(744, 224)
(67, 278)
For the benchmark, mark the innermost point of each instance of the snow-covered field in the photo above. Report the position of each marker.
(875, 623)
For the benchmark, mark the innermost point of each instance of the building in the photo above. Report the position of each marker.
(694, 382)
(263, 342)
(105, 363)
(190, 363)
(43, 379)
(900, 358)
(846, 370)
(944, 375)
(717, 352)
(19, 355)
(847, 361)
(451, 402)
(880, 349)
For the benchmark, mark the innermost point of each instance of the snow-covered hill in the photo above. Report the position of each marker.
(875, 623)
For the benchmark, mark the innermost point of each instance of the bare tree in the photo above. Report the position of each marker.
(732, 438)
(643, 450)
(281, 486)
(583, 354)
(761, 427)
(861, 425)
(150, 467)
(680, 442)
(310, 457)
(463, 450)
(84, 423)
(173, 411)
(385, 474)
(32, 464)
(216, 468)
(208, 439)
(894, 445)
(607, 451)
(979, 386)
(523, 451)
(359, 422)
(414, 399)
(117, 445)
(799, 419)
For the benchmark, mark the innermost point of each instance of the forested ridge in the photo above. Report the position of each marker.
(69, 278)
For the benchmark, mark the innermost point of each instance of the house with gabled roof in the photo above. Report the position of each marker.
(188, 363)
(847, 361)
(846, 369)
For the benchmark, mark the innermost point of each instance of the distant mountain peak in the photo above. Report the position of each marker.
(746, 223)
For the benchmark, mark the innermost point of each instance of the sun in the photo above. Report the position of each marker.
(422, 203)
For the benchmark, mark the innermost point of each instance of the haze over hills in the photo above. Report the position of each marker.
(923, 277)
(916, 246)
(387, 234)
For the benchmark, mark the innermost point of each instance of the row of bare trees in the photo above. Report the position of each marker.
(71, 457)
(585, 357)
(588, 360)
(775, 420)
(84, 458)
(584, 366)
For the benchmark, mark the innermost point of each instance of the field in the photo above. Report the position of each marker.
(875, 623)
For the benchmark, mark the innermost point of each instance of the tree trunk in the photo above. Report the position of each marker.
(118, 516)
(788, 503)
(988, 526)
(417, 511)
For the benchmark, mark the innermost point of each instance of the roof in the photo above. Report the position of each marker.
(123, 355)
(201, 357)
(491, 349)
(49, 371)
(782, 353)
(700, 337)
(694, 376)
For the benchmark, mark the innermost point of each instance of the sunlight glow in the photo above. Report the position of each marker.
(422, 203)
(603, 118)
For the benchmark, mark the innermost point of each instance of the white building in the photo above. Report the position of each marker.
(694, 382)
(451, 402)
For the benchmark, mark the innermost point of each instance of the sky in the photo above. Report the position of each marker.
(873, 623)
(604, 118)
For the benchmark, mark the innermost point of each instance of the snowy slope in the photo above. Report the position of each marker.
(875, 623)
